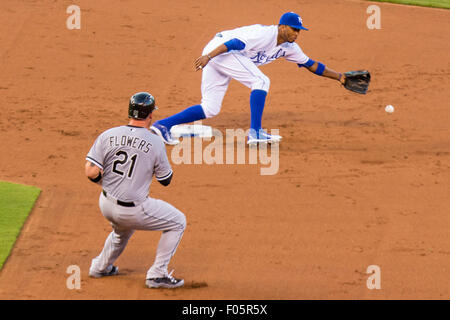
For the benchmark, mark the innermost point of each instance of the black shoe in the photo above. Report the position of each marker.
(168, 282)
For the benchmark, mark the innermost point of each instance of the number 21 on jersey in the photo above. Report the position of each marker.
(121, 161)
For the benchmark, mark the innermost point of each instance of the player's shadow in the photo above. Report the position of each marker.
(187, 285)
(195, 285)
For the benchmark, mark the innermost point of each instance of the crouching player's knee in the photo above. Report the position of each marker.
(211, 109)
(182, 221)
(261, 83)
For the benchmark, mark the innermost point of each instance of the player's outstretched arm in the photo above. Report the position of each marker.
(320, 69)
(356, 81)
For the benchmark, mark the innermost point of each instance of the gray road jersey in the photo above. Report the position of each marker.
(129, 156)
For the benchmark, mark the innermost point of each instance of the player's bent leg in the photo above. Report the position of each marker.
(160, 215)
(214, 86)
(157, 275)
(260, 82)
(247, 73)
(115, 243)
(212, 108)
(167, 246)
(242, 69)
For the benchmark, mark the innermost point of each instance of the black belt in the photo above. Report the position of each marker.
(120, 203)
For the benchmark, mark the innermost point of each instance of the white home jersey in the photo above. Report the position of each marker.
(261, 44)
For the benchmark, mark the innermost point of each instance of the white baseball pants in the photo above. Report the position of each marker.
(152, 214)
(220, 70)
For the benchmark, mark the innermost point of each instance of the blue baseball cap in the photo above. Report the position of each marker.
(293, 20)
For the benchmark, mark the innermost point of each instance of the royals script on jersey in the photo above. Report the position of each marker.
(129, 156)
(261, 44)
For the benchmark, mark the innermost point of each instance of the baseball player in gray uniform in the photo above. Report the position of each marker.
(123, 161)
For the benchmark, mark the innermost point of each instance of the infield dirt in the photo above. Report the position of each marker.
(356, 186)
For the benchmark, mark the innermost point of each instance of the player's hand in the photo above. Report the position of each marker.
(201, 62)
(342, 79)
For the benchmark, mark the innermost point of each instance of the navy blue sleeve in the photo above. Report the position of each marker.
(234, 44)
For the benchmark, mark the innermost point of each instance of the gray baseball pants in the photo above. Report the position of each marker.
(152, 214)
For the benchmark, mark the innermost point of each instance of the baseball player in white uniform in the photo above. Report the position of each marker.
(236, 54)
(123, 161)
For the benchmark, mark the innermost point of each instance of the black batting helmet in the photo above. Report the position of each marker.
(141, 105)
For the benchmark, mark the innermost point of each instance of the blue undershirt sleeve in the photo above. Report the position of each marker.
(234, 44)
(320, 69)
(320, 66)
(307, 64)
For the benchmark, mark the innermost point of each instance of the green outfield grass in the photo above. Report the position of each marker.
(16, 202)
(424, 3)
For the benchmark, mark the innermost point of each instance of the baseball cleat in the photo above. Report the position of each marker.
(167, 282)
(113, 272)
(164, 133)
(261, 136)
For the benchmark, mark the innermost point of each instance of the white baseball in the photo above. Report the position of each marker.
(389, 108)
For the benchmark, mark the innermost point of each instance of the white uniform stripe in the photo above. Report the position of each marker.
(94, 162)
(165, 177)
